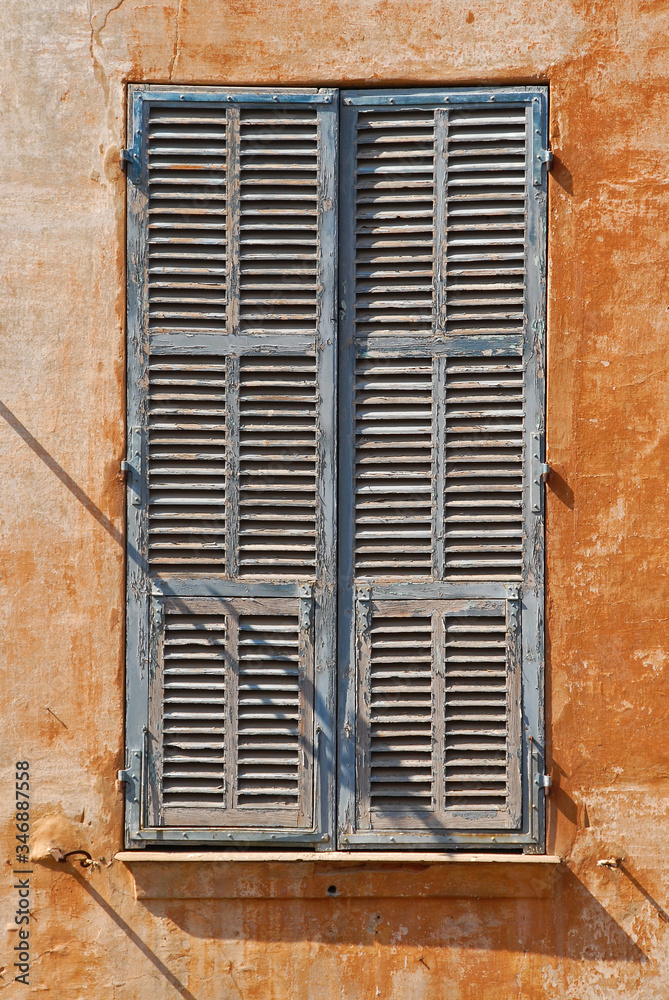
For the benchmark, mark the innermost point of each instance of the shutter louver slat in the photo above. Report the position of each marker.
(279, 238)
(486, 224)
(278, 418)
(484, 481)
(476, 712)
(268, 712)
(400, 723)
(393, 467)
(195, 670)
(187, 219)
(394, 225)
(186, 465)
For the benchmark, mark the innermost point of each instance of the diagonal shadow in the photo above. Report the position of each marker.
(661, 912)
(289, 906)
(67, 481)
(132, 936)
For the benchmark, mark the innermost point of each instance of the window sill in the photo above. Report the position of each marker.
(295, 875)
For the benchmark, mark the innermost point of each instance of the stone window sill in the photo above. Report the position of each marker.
(298, 875)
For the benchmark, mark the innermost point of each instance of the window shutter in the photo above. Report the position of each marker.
(441, 430)
(231, 342)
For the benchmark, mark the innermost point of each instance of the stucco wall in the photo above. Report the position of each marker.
(598, 933)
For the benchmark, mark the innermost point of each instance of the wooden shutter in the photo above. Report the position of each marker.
(441, 430)
(231, 557)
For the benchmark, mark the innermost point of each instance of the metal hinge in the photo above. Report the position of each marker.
(540, 472)
(130, 158)
(541, 157)
(131, 776)
(545, 781)
(133, 464)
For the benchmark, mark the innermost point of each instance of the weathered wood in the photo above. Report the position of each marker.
(365, 875)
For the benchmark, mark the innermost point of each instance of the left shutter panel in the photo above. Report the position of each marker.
(231, 345)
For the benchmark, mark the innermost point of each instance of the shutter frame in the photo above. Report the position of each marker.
(525, 821)
(145, 815)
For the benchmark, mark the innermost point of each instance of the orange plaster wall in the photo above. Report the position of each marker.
(602, 934)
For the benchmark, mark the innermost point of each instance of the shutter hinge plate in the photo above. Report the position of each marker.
(542, 157)
(540, 471)
(132, 466)
(130, 158)
(130, 776)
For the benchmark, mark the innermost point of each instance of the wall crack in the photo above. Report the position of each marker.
(177, 41)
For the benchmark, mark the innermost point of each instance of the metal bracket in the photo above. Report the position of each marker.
(306, 607)
(133, 465)
(363, 600)
(157, 611)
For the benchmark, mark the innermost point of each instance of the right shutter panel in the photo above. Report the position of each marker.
(231, 396)
(440, 438)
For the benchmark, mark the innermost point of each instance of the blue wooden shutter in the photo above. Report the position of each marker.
(443, 202)
(231, 528)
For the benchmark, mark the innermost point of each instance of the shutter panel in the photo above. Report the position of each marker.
(444, 674)
(231, 704)
(231, 531)
(441, 569)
